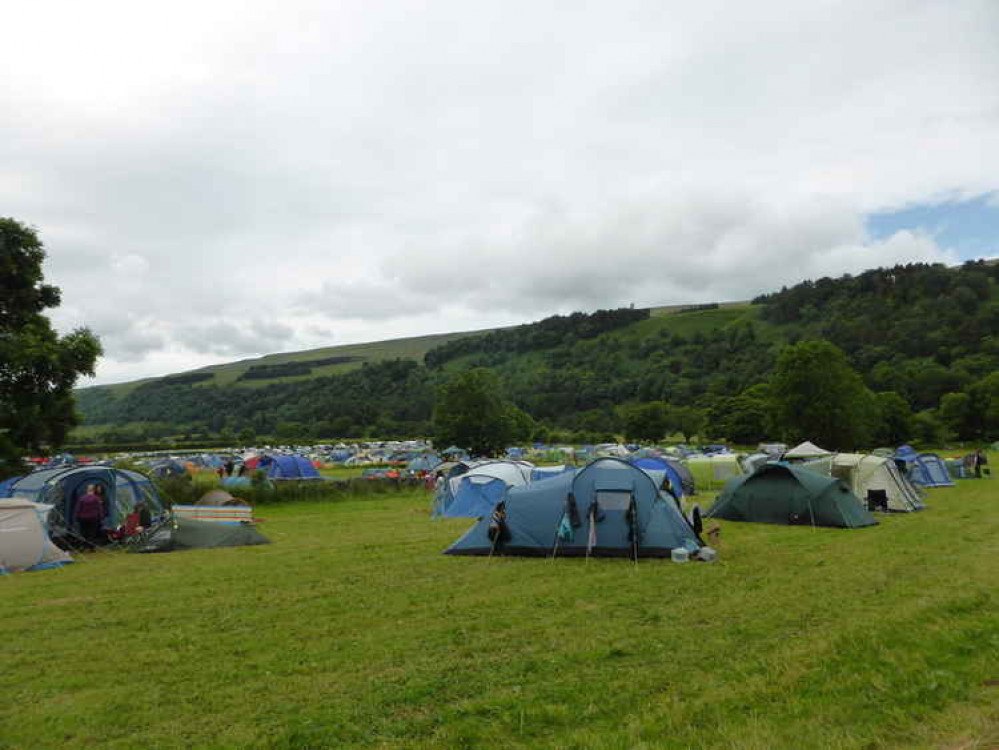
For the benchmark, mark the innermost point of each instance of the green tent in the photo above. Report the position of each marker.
(790, 495)
(181, 533)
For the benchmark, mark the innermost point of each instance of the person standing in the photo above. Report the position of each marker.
(90, 515)
(978, 463)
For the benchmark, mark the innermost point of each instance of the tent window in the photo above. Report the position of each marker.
(614, 499)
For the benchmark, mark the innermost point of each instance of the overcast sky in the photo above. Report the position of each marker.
(218, 180)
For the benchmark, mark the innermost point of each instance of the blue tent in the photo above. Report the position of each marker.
(6, 485)
(476, 497)
(610, 508)
(62, 487)
(168, 468)
(539, 473)
(425, 462)
(207, 460)
(288, 467)
(661, 465)
(925, 469)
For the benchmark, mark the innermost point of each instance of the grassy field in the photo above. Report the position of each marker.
(351, 629)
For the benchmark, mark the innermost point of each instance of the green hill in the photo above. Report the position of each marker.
(329, 360)
(925, 333)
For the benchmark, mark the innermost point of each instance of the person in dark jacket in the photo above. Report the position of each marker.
(90, 515)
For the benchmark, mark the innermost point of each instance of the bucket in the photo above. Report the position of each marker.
(679, 555)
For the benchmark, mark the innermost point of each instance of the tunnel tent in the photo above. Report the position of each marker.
(790, 495)
(933, 471)
(62, 487)
(24, 539)
(865, 474)
(924, 469)
(610, 508)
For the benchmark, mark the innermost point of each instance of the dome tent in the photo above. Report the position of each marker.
(789, 495)
(461, 494)
(62, 487)
(610, 508)
(26, 544)
(661, 466)
(288, 467)
(424, 462)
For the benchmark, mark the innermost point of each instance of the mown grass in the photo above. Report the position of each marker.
(351, 629)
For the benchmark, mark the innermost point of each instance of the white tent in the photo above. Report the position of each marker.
(24, 541)
(514, 473)
(862, 473)
(806, 450)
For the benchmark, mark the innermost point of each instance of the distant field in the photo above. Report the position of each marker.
(351, 629)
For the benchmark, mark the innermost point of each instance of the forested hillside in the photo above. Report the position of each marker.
(924, 338)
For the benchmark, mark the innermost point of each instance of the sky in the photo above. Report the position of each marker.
(216, 181)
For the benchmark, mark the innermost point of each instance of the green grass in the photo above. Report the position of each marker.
(353, 630)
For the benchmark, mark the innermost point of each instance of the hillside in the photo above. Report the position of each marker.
(923, 333)
(325, 361)
(294, 366)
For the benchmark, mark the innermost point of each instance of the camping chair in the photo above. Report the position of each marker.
(127, 530)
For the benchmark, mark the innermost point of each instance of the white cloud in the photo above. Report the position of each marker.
(362, 171)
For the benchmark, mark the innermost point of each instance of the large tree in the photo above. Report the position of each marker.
(472, 414)
(38, 368)
(648, 422)
(818, 396)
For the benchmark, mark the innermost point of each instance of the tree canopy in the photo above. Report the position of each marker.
(471, 414)
(818, 396)
(38, 368)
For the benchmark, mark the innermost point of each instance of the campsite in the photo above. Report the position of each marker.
(351, 628)
(492, 375)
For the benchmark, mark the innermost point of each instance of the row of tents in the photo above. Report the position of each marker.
(618, 507)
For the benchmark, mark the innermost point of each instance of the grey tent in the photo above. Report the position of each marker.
(610, 508)
(179, 533)
(790, 495)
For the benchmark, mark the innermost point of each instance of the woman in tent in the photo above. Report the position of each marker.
(90, 515)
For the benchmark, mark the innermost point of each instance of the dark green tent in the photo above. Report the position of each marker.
(790, 495)
(184, 533)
